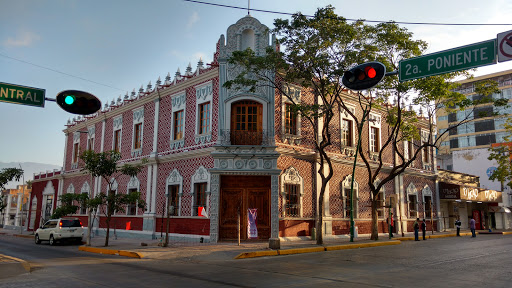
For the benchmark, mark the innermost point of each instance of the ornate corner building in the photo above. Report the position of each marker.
(213, 153)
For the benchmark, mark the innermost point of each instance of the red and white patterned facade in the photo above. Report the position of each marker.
(278, 159)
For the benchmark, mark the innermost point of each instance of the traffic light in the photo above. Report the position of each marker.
(364, 76)
(78, 102)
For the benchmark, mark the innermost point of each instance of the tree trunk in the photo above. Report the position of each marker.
(375, 228)
(320, 226)
(108, 231)
(89, 228)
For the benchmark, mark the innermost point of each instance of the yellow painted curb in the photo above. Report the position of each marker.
(362, 245)
(300, 250)
(256, 254)
(23, 236)
(23, 263)
(405, 238)
(442, 236)
(110, 251)
(507, 233)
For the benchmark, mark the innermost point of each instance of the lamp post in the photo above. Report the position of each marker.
(360, 129)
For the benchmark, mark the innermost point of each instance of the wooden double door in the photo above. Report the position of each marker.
(237, 194)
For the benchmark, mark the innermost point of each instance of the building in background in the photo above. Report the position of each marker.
(15, 212)
(465, 149)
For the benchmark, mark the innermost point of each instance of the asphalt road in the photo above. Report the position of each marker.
(483, 261)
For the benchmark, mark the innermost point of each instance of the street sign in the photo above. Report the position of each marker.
(23, 95)
(455, 59)
(505, 46)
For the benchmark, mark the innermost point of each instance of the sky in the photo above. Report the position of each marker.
(110, 47)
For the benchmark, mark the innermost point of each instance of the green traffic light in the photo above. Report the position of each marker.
(70, 99)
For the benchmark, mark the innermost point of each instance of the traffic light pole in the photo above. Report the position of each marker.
(353, 176)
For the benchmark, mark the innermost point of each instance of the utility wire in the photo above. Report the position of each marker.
(63, 73)
(363, 20)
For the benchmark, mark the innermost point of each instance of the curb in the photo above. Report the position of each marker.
(255, 254)
(111, 252)
(23, 263)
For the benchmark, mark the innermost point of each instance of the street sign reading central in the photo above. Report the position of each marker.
(23, 95)
(455, 59)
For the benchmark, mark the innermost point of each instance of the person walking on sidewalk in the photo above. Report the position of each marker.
(424, 228)
(472, 226)
(457, 224)
(416, 226)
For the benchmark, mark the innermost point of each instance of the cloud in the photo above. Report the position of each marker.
(22, 39)
(194, 18)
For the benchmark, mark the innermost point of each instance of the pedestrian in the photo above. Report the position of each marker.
(457, 224)
(416, 226)
(424, 228)
(472, 226)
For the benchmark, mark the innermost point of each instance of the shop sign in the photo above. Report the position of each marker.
(449, 191)
(470, 193)
(489, 196)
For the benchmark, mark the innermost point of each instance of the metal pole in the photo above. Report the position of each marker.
(389, 220)
(431, 218)
(21, 205)
(353, 176)
(238, 225)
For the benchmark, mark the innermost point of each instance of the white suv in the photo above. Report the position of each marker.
(60, 229)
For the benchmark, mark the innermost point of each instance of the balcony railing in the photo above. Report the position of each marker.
(238, 137)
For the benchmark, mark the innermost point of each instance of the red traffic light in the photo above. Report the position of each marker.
(364, 76)
(78, 102)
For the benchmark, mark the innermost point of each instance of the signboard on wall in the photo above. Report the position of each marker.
(449, 191)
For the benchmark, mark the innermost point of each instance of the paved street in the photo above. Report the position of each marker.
(442, 262)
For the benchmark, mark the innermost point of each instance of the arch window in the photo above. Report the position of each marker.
(174, 192)
(246, 123)
(412, 201)
(292, 192)
(345, 188)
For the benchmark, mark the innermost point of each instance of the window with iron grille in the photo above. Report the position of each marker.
(428, 205)
(346, 201)
(199, 197)
(132, 207)
(380, 205)
(292, 206)
(204, 118)
(174, 199)
(412, 206)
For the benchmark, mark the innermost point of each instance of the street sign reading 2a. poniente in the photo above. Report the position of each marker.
(23, 95)
(455, 59)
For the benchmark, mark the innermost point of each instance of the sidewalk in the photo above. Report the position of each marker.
(150, 249)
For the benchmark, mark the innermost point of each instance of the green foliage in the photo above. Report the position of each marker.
(67, 206)
(503, 173)
(9, 174)
(105, 166)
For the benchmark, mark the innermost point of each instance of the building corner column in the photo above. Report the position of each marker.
(274, 241)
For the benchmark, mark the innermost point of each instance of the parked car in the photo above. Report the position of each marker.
(59, 230)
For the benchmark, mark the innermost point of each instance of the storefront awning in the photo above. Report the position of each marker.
(499, 209)
(458, 192)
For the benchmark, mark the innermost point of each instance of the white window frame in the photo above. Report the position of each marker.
(428, 150)
(138, 118)
(178, 103)
(411, 190)
(204, 94)
(175, 179)
(374, 122)
(294, 92)
(76, 150)
(200, 176)
(345, 185)
(91, 137)
(344, 115)
(86, 188)
(427, 192)
(291, 176)
(383, 204)
(133, 184)
(117, 126)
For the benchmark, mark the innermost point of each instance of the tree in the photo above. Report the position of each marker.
(502, 154)
(105, 166)
(318, 51)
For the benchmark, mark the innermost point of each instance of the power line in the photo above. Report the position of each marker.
(363, 20)
(63, 73)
